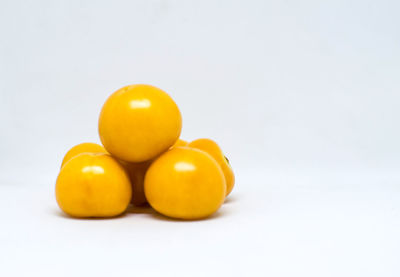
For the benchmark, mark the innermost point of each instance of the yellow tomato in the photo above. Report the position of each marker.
(137, 172)
(139, 122)
(93, 185)
(212, 148)
(180, 142)
(86, 147)
(185, 183)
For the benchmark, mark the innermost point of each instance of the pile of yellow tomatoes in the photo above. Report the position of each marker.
(142, 160)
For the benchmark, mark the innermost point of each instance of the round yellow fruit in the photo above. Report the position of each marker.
(136, 173)
(139, 122)
(212, 148)
(86, 147)
(185, 183)
(180, 142)
(93, 185)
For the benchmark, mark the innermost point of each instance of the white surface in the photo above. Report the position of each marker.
(275, 226)
(302, 96)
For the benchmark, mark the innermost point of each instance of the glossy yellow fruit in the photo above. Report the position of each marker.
(180, 142)
(137, 172)
(212, 148)
(86, 147)
(93, 185)
(139, 122)
(185, 183)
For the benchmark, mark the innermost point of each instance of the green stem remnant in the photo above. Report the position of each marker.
(226, 159)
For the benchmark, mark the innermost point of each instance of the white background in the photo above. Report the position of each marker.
(303, 96)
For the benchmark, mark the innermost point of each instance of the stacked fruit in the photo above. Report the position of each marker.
(143, 160)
